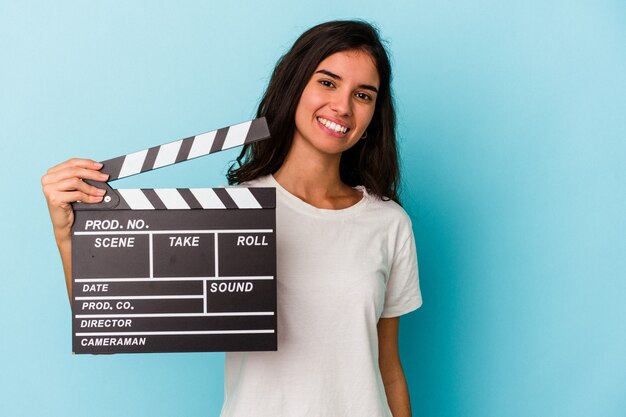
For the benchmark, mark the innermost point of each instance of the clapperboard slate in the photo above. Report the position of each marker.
(176, 270)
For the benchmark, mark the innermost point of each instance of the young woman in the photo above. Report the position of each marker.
(347, 266)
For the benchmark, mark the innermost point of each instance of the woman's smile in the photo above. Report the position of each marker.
(334, 128)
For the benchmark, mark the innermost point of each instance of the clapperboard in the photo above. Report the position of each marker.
(176, 270)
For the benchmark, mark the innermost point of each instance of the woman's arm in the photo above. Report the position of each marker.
(63, 185)
(391, 368)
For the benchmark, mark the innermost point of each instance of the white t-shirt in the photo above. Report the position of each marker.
(338, 272)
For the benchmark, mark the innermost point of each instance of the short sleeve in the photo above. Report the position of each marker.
(403, 293)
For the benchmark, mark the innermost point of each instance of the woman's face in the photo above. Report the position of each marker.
(338, 102)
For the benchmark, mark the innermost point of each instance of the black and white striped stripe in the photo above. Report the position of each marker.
(196, 198)
(185, 149)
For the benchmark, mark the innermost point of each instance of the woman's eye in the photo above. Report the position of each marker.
(326, 83)
(364, 96)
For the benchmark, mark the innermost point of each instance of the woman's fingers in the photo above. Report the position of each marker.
(75, 184)
(80, 196)
(76, 162)
(62, 193)
(64, 199)
(72, 172)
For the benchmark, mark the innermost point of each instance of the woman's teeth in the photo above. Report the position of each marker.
(332, 125)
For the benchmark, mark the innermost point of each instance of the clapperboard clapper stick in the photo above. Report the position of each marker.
(179, 269)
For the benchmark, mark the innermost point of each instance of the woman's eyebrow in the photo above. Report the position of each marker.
(337, 77)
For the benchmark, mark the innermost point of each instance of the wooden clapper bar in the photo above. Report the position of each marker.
(176, 270)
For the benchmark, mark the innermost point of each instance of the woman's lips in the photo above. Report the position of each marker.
(334, 128)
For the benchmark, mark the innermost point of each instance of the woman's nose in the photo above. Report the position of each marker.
(342, 103)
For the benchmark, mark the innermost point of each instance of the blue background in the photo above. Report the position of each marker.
(512, 126)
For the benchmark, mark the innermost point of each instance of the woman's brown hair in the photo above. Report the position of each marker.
(372, 162)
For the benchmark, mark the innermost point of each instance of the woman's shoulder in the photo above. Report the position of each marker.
(262, 181)
(387, 209)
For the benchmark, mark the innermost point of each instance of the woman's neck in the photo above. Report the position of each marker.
(314, 178)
